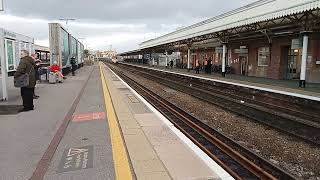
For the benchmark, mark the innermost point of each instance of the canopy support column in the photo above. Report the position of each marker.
(224, 51)
(302, 82)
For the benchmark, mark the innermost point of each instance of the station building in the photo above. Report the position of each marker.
(277, 39)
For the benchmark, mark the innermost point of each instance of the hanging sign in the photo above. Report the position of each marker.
(241, 51)
(218, 50)
(296, 44)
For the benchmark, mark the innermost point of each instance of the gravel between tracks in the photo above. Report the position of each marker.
(295, 156)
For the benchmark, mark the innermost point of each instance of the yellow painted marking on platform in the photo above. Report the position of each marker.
(119, 153)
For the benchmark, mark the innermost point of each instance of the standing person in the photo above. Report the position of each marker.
(26, 66)
(206, 65)
(171, 63)
(197, 66)
(209, 65)
(73, 65)
(36, 70)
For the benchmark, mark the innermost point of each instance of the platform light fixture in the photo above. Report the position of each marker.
(67, 20)
(283, 33)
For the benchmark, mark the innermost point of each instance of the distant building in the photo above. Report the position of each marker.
(105, 54)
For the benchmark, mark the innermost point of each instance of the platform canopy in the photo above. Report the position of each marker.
(260, 11)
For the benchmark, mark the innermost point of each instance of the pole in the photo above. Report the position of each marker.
(302, 82)
(189, 57)
(4, 73)
(224, 50)
(166, 60)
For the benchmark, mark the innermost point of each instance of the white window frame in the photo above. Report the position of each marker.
(268, 57)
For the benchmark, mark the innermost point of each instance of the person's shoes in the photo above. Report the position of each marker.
(25, 110)
(36, 97)
(64, 77)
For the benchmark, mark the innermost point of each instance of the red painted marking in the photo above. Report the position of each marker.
(45, 161)
(89, 117)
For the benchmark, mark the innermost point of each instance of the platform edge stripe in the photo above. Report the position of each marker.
(219, 171)
(119, 153)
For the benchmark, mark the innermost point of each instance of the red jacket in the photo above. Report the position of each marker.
(54, 68)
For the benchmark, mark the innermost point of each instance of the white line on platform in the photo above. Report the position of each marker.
(202, 155)
(315, 98)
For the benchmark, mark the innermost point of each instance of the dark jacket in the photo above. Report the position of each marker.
(27, 65)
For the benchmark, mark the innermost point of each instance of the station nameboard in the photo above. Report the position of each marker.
(241, 51)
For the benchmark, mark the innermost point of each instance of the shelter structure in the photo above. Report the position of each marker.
(276, 39)
(11, 44)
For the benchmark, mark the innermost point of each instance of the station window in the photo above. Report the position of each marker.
(263, 56)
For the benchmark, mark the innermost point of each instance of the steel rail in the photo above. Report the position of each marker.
(171, 111)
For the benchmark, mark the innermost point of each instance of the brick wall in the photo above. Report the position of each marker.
(313, 70)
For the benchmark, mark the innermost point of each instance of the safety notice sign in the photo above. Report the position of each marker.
(76, 159)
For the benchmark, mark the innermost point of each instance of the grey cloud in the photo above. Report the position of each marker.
(123, 10)
(136, 17)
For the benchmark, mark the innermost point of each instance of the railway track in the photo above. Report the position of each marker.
(237, 160)
(303, 121)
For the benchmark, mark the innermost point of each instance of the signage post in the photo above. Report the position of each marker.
(4, 73)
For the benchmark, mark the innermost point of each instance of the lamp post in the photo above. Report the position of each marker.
(67, 20)
(81, 39)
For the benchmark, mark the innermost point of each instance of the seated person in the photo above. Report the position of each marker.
(55, 68)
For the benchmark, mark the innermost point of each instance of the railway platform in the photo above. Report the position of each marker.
(287, 87)
(94, 126)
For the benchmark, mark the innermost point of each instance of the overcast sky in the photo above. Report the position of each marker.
(122, 23)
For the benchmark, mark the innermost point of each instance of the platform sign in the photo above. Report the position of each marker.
(89, 117)
(296, 44)
(10, 54)
(218, 50)
(76, 159)
(241, 51)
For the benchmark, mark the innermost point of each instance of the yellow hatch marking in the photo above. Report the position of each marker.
(119, 153)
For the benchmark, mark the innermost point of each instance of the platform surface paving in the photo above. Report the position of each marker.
(87, 150)
(25, 137)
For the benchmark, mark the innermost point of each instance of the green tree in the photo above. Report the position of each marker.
(86, 53)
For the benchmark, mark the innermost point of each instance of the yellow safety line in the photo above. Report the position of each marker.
(119, 153)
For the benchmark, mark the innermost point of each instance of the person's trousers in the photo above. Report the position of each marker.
(27, 97)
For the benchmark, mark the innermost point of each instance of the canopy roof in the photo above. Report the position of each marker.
(259, 11)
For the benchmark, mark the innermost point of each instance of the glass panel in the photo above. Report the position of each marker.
(263, 56)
